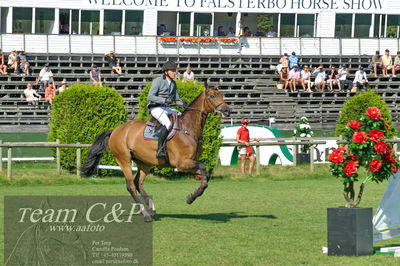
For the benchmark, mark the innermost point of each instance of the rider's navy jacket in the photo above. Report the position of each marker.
(160, 91)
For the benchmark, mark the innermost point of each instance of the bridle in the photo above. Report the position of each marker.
(215, 107)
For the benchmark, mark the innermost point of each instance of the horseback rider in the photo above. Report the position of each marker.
(163, 94)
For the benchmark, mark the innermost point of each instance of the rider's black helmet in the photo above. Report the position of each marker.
(169, 65)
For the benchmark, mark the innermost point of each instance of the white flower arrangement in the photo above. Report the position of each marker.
(303, 130)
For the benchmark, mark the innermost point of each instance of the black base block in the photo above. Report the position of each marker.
(303, 158)
(350, 231)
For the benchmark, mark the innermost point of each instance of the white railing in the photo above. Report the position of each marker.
(98, 44)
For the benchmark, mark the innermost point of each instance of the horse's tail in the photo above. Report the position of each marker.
(95, 153)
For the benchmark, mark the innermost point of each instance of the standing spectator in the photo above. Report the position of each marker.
(63, 86)
(113, 62)
(243, 136)
(3, 65)
(95, 76)
(306, 79)
(283, 62)
(50, 93)
(360, 79)
(23, 62)
(271, 32)
(64, 29)
(45, 76)
(376, 62)
(343, 74)
(231, 32)
(247, 32)
(31, 95)
(387, 63)
(188, 75)
(332, 77)
(293, 60)
(162, 30)
(13, 61)
(320, 76)
(284, 77)
(294, 78)
(397, 62)
(220, 31)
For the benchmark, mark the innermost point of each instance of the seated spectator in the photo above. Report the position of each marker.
(95, 76)
(376, 62)
(231, 32)
(284, 77)
(13, 61)
(305, 75)
(387, 63)
(259, 33)
(31, 95)
(332, 77)
(360, 79)
(247, 32)
(45, 76)
(188, 75)
(343, 74)
(294, 78)
(3, 65)
(162, 30)
(113, 62)
(63, 86)
(50, 93)
(397, 62)
(293, 60)
(23, 62)
(220, 31)
(134, 31)
(320, 78)
(271, 32)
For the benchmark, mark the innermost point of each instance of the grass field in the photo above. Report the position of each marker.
(278, 218)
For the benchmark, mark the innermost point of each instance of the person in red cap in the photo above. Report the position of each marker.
(243, 136)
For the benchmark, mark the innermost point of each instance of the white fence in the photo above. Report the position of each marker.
(78, 44)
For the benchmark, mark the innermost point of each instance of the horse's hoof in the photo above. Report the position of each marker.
(152, 212)
(189, 199)
(148, 219)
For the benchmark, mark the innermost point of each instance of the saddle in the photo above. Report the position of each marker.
(152, 126)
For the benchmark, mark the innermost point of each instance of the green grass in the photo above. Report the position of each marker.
(277, 218)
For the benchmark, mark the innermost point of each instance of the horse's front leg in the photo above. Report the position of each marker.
(200, 169)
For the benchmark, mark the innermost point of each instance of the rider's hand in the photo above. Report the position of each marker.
(168, 101)
(246, 143)
(257, 139)
(184, 104)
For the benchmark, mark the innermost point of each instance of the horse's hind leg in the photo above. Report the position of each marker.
(143, 171)
(126, 167)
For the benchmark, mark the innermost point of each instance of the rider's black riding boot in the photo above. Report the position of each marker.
(163, 133)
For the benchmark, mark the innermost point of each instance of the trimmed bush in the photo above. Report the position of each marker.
(80, 114)
(211, 139)
(358, 105)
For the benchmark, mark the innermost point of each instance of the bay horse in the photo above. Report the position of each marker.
(127, 144)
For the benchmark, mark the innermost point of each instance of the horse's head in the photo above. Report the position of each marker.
(214, 102)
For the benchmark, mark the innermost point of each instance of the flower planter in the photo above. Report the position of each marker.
(303, 158)
(208, 43)
(168, 43)
(229, 43)
(350, 231)
(189, 43)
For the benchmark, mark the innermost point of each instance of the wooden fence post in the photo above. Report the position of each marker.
(312, 158)
(258, 160)
(9, 162)
(78, 161)
(58, 158)
(1, 157)
(295, 151)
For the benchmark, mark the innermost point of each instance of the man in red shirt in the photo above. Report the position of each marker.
(243, 136)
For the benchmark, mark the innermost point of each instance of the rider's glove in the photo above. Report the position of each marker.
(184, 104)
(169, 101)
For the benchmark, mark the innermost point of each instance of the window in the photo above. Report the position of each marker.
(22, 20)
(202, 24)
(362, 25)
(379, 25)
(305, 25)
(184, 24)
(287, 25)
(75, 22)
(64, 21)
(393, 24)
(343, 25)
(44, 21)
(90, 22)
(133, 22)
(112, 22)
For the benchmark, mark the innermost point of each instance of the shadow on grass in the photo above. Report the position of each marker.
(216, 217)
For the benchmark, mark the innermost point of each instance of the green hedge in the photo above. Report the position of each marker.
(211, 138)
(80, 114)
(358, 105)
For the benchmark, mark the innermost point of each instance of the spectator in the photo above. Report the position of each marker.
(188, 75)
(113, 62)
(294, 78)
(95, 76)
(332, 77)
(134, 31)
(64, 29)
(271, 32)
(31, 95)
(293, 60)
(306, 79)
(63, 86)
(13, 61)
(162, 30)
(344, 84)
(284, 77)
(45, 76)
(397, 62)
(231, 32)
(387, 63)
(50, 93)
(243, 136)
(259, 33)
(283, 62)
(247, 32)
(220, 31)
(360, 79)
(376, 62)
(320, 76)
(3, 65)
(23, 61)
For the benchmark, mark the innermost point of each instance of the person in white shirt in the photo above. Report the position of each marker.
(306, 79)
(271, 32)
(45, 76)
(31, 95)
(320, 77)
(231, 32)
(13, 61)
(360, 78)
(188, 75)
(344, 84)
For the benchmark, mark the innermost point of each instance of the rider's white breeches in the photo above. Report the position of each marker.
(161, 114)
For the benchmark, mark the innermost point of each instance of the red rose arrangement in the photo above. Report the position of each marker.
(366, 147)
